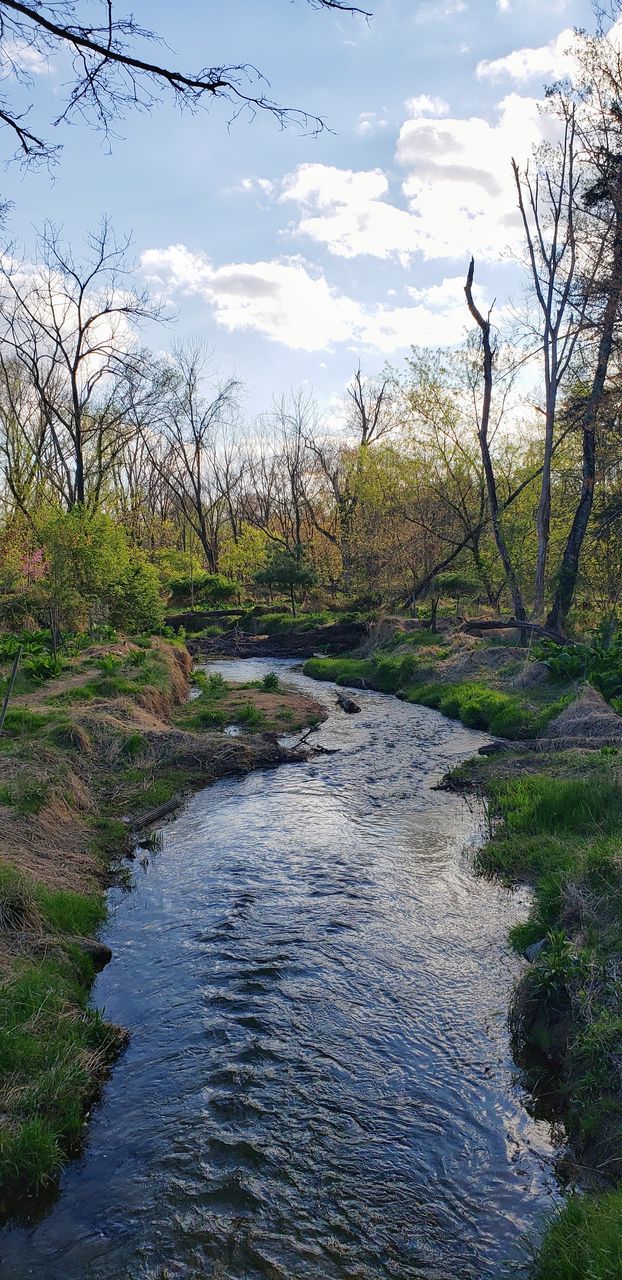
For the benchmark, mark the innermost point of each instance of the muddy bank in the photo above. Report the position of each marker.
(334, 639)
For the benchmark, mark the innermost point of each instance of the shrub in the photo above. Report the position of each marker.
(250, 716)
(271, 683)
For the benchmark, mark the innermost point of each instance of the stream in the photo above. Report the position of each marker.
(318, 1084)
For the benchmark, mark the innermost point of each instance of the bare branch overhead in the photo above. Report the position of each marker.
(110, 74)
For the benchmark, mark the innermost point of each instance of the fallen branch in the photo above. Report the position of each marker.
(534, 628)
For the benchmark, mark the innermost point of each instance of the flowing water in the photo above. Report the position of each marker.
(318, 1084)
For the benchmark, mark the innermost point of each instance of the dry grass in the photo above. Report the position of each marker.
(589, 719)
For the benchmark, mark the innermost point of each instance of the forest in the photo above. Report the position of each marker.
(486, 475)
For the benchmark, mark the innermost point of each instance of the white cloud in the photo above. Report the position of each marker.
(432, 11)
(284, 302)
(265, 185)
(458, 188)
(459, 184)
(370, 122)
(552, 60)
(424, 105)
(344, 210)
(18, 56)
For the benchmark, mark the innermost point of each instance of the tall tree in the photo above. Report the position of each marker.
(70, 328)
(547, 199)
(484, 416)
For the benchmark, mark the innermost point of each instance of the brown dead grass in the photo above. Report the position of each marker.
(589, 719)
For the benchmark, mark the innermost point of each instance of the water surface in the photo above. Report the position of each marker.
(318, 1085)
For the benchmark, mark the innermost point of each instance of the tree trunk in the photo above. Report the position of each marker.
(569, 569)
(491, 486)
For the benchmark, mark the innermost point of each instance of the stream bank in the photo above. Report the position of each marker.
(90, 758)
(556, 825)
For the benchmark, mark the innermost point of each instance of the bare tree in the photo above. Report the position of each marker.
(70, 329)
(547, 201)
(110, 73)
(193, 452)
(372, 408)
(484, 414)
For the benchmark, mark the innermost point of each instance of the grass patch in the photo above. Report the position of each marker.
(583, 1241)
(71, 913)
(49, 1043)
(506, 715)
(21, 722)
(564, 834)
(250, 716)
(337, 669)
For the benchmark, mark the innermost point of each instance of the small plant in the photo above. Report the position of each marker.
(250, 716)
(270, 683)
(41, 667)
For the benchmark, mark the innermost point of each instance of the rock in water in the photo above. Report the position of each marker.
(98, 952)
(348, 704)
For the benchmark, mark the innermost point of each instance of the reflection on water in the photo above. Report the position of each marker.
(318, 1084)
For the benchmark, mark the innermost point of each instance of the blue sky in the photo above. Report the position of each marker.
(295, 256)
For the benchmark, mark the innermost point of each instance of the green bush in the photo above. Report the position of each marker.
(95, 575)
(271, 683)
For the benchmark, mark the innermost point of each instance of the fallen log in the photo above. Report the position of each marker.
(473, 625)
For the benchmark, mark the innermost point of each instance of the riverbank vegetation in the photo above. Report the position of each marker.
(94, 745)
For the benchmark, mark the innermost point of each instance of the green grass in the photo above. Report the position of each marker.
(337, 669)
(22, 722)
(583, 1241)
(506, 715)
(72, 913)
(564, 836)
(25, 797)
(49, 1043)
(423, 639)
(250, 716)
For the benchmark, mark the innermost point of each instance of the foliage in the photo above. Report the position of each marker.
(96, 576)
(205, 588)
(599, 661)
(288, 571)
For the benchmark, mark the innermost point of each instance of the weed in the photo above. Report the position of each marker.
(250, 717)
(583, 1241)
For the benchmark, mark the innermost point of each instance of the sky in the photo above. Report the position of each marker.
(296, 257)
